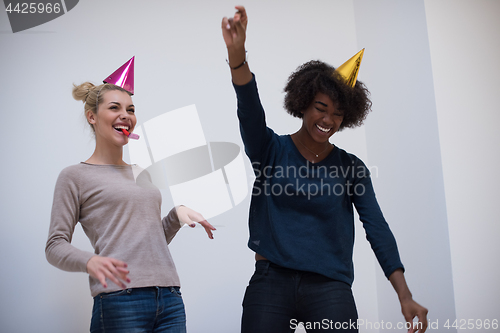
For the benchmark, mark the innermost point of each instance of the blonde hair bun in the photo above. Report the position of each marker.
(81, 92)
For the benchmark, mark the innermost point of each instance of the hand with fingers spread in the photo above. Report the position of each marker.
(101, 268)
(190, 217)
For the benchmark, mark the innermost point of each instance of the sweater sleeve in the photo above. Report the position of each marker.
(171, 224)
(64, 217)
(254, 132)
(377, 230)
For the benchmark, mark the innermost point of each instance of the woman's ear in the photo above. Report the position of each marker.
(90, 117)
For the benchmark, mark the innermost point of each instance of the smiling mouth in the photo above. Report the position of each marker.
(119, 128)
(323, 129)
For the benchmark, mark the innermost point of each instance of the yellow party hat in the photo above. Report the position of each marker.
(350, 69)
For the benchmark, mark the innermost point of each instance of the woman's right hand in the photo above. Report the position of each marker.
(234, 33)
(101, 268)
(234, 29)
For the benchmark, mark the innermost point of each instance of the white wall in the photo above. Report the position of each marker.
(465, 44)
(180, 61)
(403, 141)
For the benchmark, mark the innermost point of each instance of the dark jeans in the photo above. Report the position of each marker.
(151, 309)
(277, 299)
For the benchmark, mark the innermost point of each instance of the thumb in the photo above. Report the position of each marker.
(183, 213)
(225, 24)
(409, 320)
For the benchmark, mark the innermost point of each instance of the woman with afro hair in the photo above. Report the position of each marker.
(301, 214)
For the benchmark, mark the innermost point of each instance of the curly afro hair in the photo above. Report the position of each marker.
(318, 77)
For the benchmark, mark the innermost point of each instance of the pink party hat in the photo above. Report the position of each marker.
(123, 76)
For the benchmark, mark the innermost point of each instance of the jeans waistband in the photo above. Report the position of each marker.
(142, 289)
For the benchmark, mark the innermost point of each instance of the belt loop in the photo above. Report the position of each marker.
(266, 268)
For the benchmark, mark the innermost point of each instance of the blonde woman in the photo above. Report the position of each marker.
(132, 276)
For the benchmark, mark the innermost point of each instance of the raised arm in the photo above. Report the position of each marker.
(254, 132)
(234, 33)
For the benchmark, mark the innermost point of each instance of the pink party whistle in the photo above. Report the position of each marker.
(130, 135)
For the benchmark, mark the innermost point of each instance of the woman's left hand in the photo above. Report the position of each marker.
(412, 309)
(190, 217)
(409, 307)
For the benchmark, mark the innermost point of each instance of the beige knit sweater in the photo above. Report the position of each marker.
(119, 210)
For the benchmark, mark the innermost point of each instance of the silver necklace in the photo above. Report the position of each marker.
(317, 155)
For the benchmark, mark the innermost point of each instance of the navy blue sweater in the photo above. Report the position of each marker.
(301, 214)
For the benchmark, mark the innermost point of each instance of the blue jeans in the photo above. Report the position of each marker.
(277, 299)
(151, 309)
